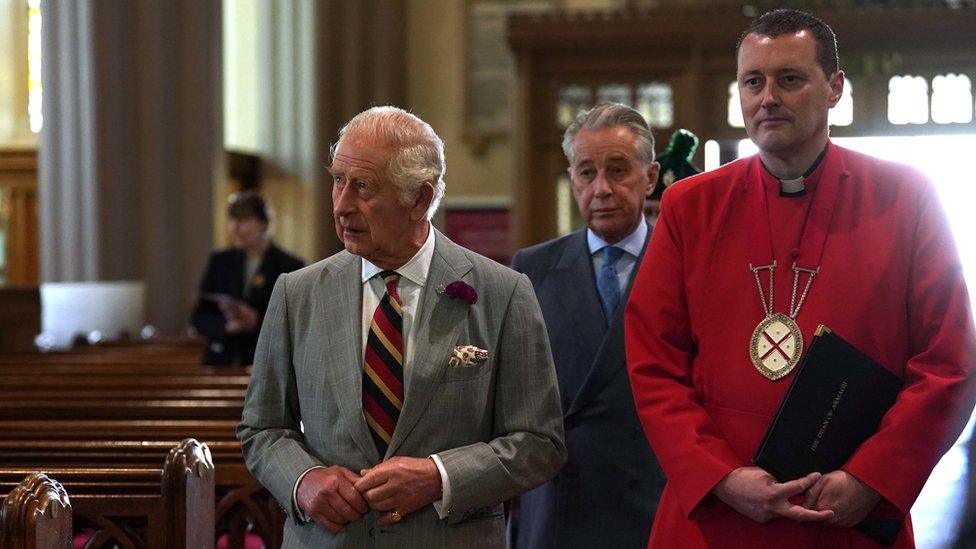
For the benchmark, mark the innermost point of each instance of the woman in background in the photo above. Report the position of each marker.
(237, 283)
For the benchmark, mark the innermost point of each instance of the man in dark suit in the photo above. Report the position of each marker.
(237, 283)
(607, 494)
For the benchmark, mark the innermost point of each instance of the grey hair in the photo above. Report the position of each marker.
(609, 115)
(418, 152)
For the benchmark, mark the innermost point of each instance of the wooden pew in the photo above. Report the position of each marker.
(240, 499)
(94, 453)
(192, 400)
(36, 514)
(131, 391)
(109, 380)
(165, 398)
(141, 507)
(132, 408)
(117, 429)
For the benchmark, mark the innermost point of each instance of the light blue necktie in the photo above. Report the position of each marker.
(607, 282)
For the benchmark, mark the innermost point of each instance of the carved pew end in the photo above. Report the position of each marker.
(36, 515)
(188, 495)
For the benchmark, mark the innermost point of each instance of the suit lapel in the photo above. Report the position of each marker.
(340, 299)
(438, 322)
(611, 353)
(574, 283)
(580, 300)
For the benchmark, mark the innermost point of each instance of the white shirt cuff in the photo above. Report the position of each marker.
(443, 506)
(302, 516)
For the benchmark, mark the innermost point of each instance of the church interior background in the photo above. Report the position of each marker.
(124, 126)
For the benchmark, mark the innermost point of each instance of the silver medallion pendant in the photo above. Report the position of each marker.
(776, 346)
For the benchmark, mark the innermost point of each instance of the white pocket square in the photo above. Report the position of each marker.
(467, 355)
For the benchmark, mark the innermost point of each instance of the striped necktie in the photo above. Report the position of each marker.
(383, 366)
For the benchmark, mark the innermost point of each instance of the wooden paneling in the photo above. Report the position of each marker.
(18, 207)
(20, 319)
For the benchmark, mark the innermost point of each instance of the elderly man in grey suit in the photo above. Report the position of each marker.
(608, 492)
(403, 388)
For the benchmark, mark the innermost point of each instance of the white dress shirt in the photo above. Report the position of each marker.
(413, 278)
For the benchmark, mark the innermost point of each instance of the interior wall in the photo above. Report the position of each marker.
(14, 126)
(478, 173)
(268, 104)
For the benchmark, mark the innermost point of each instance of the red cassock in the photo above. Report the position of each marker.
(890, 283)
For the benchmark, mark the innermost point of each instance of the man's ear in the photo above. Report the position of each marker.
(652, 172)
(836, 83)
(425, 195)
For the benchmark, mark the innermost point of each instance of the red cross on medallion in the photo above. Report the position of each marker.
(776, 346)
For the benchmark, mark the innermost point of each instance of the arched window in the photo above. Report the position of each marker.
(908, 100)
(952, 99)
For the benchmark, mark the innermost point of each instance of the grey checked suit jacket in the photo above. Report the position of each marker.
(497, 426)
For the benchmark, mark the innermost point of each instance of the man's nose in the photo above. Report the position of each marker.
(601, 187)
(770, 95)
(341, 200)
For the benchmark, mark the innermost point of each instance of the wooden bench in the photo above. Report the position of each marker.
(36, 514)
(122, 407)
(117, 429)
(140, 507)
(240, 499)
(160, 403)
(132, 408)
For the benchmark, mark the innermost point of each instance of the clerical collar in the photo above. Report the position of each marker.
(797, 186)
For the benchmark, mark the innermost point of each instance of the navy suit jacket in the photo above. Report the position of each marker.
(608, 491)
(225, 275)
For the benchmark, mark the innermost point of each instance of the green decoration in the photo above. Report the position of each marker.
(676, 161)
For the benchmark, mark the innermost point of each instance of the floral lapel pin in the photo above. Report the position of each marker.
(459, 290)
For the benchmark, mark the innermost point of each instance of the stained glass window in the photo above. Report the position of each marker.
(572, 100)
(615, 93)
(654, 100)
(656, 104)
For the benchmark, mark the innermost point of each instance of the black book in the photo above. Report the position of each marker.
(835, 403)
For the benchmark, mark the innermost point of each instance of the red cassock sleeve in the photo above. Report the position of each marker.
(938, 393)
(660, 354)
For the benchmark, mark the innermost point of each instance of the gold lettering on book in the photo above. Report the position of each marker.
(830, 415)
